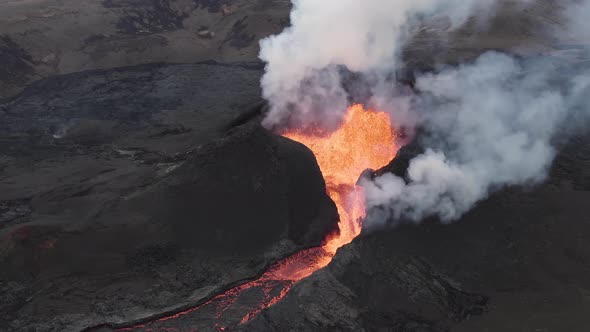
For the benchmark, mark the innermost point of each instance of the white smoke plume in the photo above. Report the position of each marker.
(578, 14)
(302, 80)
(490, 123)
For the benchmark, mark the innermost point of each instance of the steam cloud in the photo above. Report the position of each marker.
(488, 124)
(303, 81)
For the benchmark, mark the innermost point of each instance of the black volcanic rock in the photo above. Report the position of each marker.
(516, 262)
(368, 287)
(236, 193)
(146, 17)
(124, 194)
(16, 62)
(42, 38)
(135, 97)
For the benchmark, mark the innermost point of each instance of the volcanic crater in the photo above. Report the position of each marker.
(145, 195)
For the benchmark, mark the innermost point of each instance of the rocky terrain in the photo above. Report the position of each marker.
(142, 190)
(517, 262)
(136, 183)
(40, 38)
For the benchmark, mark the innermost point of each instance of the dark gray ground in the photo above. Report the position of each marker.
(134, 195)
(520, 261)
(41, 38)
(131, 192)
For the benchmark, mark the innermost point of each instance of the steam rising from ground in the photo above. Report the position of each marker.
(488, 124)
(491, 125)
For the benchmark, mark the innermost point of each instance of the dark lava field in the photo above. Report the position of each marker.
(136, 183)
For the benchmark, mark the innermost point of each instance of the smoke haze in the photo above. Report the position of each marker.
(488, 124)
(302, 80)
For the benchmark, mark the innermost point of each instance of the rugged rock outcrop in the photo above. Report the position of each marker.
(134, 191)
(517, 262)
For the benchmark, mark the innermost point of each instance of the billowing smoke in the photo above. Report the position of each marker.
(303, 82)
(487, 124)
(577, 14)
(491, 124)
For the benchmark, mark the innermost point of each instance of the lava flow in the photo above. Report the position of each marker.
(364, 140)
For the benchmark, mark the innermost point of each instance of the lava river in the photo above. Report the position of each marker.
(364, 140)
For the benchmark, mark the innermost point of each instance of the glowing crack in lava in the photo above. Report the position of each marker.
(364, 140)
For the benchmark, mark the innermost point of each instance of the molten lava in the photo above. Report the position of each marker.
(364, 140)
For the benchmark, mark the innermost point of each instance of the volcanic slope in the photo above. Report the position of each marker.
(136, 191)
(517, 262)
(86, 156)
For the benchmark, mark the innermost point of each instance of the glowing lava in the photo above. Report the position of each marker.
(364, 140)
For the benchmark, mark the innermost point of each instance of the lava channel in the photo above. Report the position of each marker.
(364, 140)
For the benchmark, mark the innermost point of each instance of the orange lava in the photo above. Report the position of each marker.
(364, 140)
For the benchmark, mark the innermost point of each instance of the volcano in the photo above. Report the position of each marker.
(140, 189)
(365, 139)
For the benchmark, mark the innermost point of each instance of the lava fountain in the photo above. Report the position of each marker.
(364, 140)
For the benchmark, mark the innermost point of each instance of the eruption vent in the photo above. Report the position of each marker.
(490, 122)
(364, 140)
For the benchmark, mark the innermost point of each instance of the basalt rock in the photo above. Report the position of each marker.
(135, 191)
(516, 262)
(367, 288)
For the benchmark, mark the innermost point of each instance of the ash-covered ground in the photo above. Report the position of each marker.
(137, 182)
